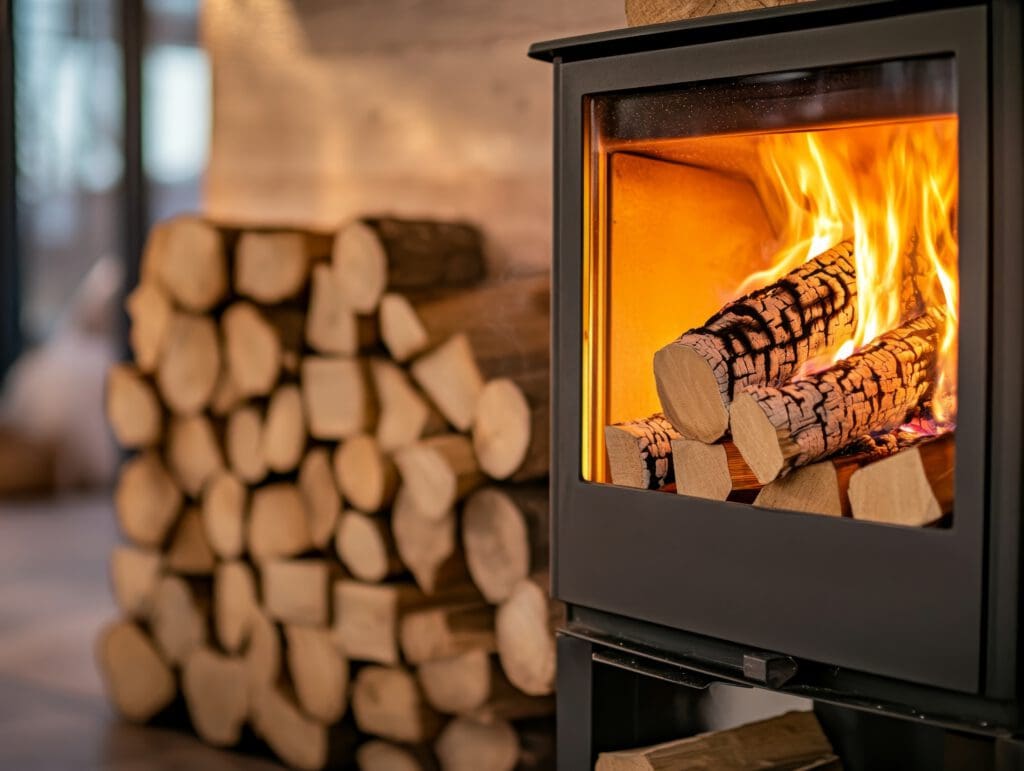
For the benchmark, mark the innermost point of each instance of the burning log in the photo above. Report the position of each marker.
(713, 471)
(761, 339)
(640, 452)
(913, 487)
(777, 429)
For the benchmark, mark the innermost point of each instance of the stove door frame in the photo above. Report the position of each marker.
(898, 602)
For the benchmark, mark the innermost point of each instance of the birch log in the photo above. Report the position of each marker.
(713, 471)
(640, 452)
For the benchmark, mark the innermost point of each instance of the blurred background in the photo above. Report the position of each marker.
(118, 113)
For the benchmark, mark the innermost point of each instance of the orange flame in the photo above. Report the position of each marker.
(892, 188)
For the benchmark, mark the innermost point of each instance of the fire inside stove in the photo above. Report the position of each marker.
(771, 297)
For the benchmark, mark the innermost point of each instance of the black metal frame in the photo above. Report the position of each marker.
(10, 276)
(641, 566)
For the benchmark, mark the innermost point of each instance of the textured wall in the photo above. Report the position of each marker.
(324, 110)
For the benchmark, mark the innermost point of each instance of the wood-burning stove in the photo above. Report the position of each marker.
(660, 142)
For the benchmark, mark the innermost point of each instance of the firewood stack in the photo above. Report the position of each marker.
(336, 513)
(743, 423)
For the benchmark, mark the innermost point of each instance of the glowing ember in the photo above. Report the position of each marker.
(892, 188)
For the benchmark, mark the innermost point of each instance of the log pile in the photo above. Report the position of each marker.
(336, 513)
(746, 421)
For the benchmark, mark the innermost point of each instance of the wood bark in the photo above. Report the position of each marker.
(318, 671)
(338, 398)
(524, 626)
(273, 266)
(449, 375)
(447, 630)
(875, 389)
(189, 363)
(243, 441)
(215, 692)
(332, 326)
(320, 495)
(235, 604)
(133, 409)
(468, 745)
(366, 547)
(278, 523)
(193, 452)
(373, 255)
(297, 591)
(187, 257)
(505, 536)
(225, 502)
(794, 740)
(134, 574)
(387, 702)
(366, 476)
(713, 471)
(913, 487)
(189, 552)
(640, 452)
(136, 678)
(146, 499)
(760, 339)
(150, 312)
(437, 472)
(405, 415)
(284, 430)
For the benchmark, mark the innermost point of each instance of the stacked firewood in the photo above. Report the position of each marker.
(743, 422)
(318, 552)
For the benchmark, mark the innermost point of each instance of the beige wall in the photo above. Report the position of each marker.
(325, 110)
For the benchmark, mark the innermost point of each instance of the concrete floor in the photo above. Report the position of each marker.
(53, 599)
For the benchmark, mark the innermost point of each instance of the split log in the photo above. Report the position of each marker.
(640, 452)
(262, 654)
(146, 499)
(272, 266)
(215, 692)
(405, 415)
(300, 741)
(337, 395)
(511, 431)
(366, 547)
(226, 394)
(178, 622)
(713, 471)
(332, 327)
(323, 503)
(438, 471)
(505, 535)
(473, 684)
(252, 349)
(524, 626)
(428, 547)
(372, 255)
(379, 755)
(193, 452)
(875, 389)
(447, 630)
(296, 591)
(187, 256)
(133, 409)
(223, 514)
(136, 678)
(760, 339)
(150, 312)
(913, 487)
(401, 329)
(468, 745)
(278, 523)
(284, 430)
(243, 441)
(189, 551)
(387, 702)
(794, 740)
(367, 616)
(235, 606)
(134, 575)
(189, 363)
(318, 671)
(449, 375)
(366, 477)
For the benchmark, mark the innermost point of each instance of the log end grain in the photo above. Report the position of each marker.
(912, 488)
(702, 470)
(690, 395)
(401, 329)
(812, 489)
(497, 544)
(137, 680)
(361, 266)
(501, 428)
(216, 696)
(468, 745)
(756, 438)
(526, 641)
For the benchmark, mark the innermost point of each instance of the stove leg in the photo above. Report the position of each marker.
(1009, 754)
(574, 705)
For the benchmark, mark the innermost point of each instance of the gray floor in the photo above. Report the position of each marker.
(53, 599)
